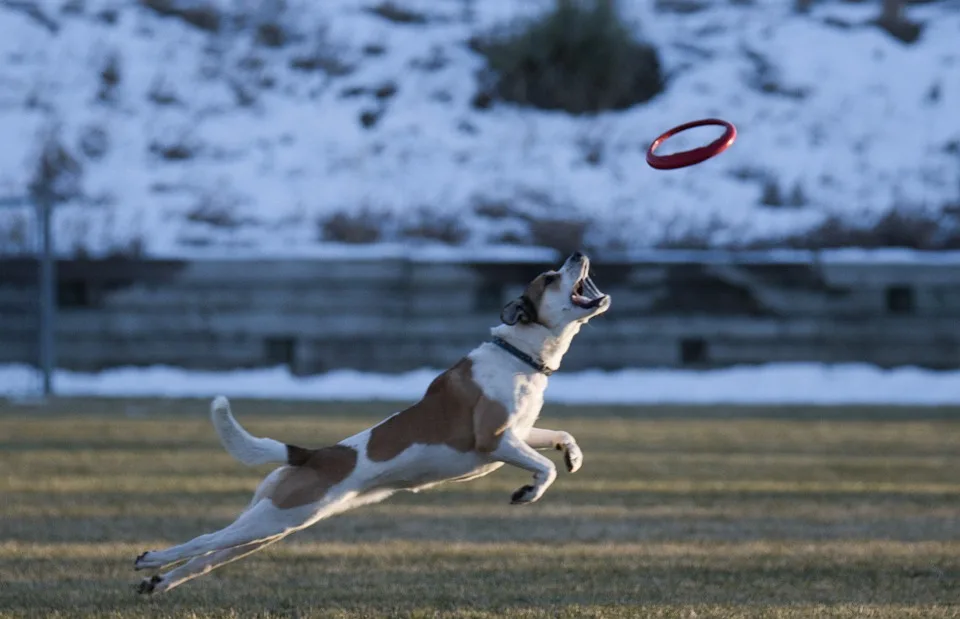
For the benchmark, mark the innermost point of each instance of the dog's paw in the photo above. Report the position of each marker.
(527, 494)
(148, 585)
(144, 561)
(572, 456)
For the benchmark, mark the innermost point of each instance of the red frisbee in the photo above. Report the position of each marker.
(696, 155)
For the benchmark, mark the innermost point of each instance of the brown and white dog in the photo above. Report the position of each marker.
(473, 419)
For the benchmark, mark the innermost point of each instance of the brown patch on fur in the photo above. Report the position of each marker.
(298, 456)
(526, 308)
(534, 293)
(453, 412)
(489, 423)
(320, 470)
(536, 289)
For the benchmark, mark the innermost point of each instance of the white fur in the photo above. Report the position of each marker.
(239, 443)
(505, 379)
(500, 376)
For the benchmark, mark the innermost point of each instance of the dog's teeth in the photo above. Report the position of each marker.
(592, 288)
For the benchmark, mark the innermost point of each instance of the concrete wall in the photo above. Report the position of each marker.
(692, 310)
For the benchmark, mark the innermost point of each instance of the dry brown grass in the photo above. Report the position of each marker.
(759, 514)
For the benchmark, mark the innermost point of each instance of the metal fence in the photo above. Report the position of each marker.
(389, 314)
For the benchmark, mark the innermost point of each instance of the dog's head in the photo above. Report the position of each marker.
(557, 299)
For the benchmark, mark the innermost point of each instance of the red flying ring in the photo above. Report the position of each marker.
(693, 156)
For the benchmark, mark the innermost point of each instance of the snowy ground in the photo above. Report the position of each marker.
(214, 140)
(800, 383)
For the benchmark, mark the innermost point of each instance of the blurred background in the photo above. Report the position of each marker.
(351, 185)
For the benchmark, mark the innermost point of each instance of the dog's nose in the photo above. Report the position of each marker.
(577, 256)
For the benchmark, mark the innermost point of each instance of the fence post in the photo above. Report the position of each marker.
(46, 282)
(48, 295)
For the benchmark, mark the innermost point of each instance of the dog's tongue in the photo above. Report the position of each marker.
(587, 303)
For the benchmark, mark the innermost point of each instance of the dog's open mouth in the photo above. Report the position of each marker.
(586, 295)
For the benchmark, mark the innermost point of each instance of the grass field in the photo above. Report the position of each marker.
(710, 513)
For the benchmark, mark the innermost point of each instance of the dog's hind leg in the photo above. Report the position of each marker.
(262, 492)
(260, 522)
(209, 561)
(199, 566)
(294, 497)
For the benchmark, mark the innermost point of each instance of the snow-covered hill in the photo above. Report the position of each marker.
(343, 119)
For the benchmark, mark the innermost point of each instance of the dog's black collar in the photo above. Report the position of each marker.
(536, 364)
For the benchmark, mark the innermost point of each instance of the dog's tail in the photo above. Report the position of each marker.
(242, 445)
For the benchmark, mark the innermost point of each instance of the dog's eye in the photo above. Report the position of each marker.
(549, 279)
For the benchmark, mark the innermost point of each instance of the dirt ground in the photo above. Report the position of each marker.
(703, 512)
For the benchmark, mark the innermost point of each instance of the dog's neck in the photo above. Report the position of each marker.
(542, 343)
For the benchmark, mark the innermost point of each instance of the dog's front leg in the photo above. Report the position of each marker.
(541, 438)
(513, 450)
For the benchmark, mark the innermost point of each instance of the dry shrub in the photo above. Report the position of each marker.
(322, 55)
(905, 227)
(910, 228)
(579, 57)
(690, 237)
(57, 176)
(363, 226)
(15, 234)
(215, 213)
(429, 225)
(564, 235)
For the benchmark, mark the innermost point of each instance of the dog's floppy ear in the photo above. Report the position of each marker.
(519, 310)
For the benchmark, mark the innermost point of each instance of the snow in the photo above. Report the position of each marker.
(395, 251)
(775, 384)
(876, 126)
(849, 255)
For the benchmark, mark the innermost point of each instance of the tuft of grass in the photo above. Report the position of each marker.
(894, 21)
(765, 77)
(271, 34)
(110, 77)
(175, 150)
(200, 14)
(94, 141)
(392, 12)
